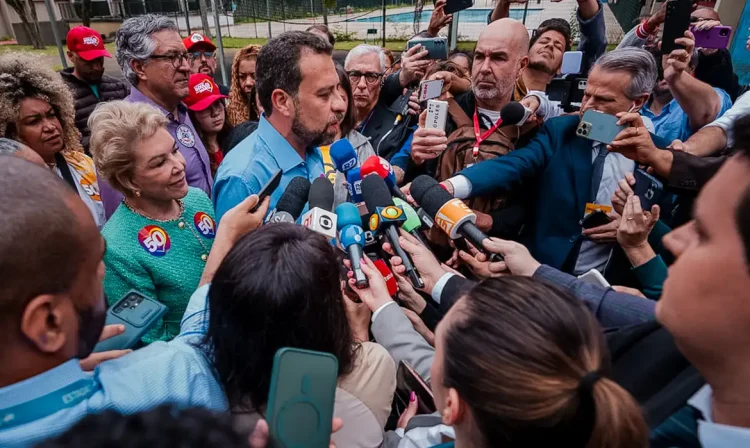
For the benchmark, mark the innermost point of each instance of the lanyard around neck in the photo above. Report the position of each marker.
(46, 405)
(482, 137)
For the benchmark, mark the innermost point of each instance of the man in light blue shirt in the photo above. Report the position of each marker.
(297, 87)
(681, 104)
(53, 311)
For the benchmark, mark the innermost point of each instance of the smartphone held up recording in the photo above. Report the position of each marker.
(301, 398)
(599, 126)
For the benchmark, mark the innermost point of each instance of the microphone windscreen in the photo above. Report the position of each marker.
(376, 193)
(294, 198)
(512, 113)
(419, 187)
(348, 214)
(381, 167)
(343, 155)
(412, 219)
(434, 199)
(390, 281)
(321, 194)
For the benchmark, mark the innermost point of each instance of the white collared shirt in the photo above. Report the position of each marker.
(716, 435)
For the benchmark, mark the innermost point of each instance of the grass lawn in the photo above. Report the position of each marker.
(239, 42)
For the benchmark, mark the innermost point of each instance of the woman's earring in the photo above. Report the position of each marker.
(138, 193)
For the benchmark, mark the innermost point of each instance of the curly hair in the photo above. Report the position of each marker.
(241, 108)
(23, 76)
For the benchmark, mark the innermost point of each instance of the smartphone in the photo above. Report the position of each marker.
(301, 398)
(599, 126)
(677, 21)
(268, 189)
(594, 277)
(437, 114)
(437, 47)
(571, 63)
(648, 189)
(138, 313)
(452, 6)
(716, 37)
(595, 219)
(408, 381)
(430, 89)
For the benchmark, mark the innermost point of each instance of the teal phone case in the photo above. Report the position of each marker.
(138, 314)
(301, 398)
(599, 127)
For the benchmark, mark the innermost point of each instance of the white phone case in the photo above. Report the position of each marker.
(437, 114)
(594, 277)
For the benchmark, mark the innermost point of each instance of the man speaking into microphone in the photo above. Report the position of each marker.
(297, 85)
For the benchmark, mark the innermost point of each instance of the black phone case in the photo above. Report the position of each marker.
(452, 6)
(648, 189)
(595, 219)
(677, 21)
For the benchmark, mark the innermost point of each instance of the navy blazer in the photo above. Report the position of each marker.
(557, 165)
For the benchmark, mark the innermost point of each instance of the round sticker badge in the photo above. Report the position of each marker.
(185, 136)
(154, 240)
(205, 225)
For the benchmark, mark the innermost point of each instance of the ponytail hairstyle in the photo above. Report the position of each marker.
(530, 362)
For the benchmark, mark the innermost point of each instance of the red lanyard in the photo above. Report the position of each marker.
(482, 137)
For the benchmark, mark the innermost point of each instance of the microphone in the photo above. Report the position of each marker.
(343, 155)
(514, 113)
(291, 202)
(320, 218)
(412, 223)
(381, 167)
(352, 239)
(354, 185)
(386, 218)
(453, 216)
(390, 279)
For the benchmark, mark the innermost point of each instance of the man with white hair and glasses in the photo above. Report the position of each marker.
(154, 60)
(571, 175)
(374, 93)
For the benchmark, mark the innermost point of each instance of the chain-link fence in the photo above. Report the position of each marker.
(363, 19)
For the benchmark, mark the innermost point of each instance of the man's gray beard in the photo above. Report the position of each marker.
(486, 94)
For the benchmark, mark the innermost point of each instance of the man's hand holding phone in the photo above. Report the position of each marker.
(634, 142)
(676, 62)
(427, 144)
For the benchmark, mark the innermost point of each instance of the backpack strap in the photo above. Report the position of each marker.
(459, 116)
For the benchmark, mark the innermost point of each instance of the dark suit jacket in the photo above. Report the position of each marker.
(690, 173)
(382, 118)
(557, 163)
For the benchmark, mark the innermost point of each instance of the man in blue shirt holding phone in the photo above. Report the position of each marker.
(297, 87)
(53, 311)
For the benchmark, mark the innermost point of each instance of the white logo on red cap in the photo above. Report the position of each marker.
(91, 40)
(203, 86)
(196, 38)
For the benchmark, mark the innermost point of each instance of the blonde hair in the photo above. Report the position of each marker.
(23, 76)
(116, 129)
(241, 108)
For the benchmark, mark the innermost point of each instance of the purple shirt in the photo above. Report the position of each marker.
(197, 169)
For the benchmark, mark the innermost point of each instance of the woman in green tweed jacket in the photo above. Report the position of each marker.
(159, 237)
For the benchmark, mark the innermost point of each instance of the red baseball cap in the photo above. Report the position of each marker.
(196, 39)
(203, 92)
(86, 43)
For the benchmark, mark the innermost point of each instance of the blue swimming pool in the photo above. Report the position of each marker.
(467, 16)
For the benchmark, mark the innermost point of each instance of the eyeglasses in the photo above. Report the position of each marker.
(177, 59)
(196, 55)
(370, 77)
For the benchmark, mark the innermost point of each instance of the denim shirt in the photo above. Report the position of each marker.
(247, 168)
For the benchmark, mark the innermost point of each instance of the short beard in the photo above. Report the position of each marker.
(542, 67)
(486, 94)
(311, 138)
